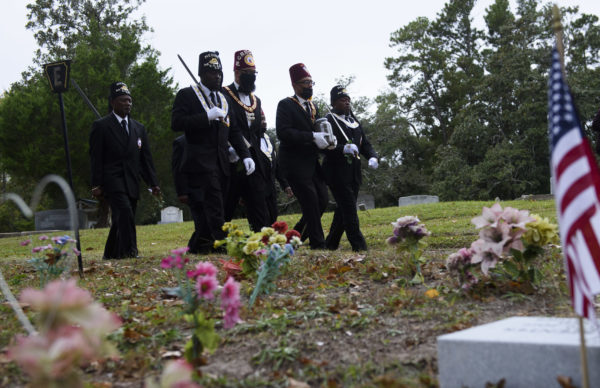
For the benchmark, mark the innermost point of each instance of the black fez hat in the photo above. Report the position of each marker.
(209, 60)
(118, 89)
(338, 91)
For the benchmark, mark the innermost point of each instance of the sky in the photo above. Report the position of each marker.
(333, 38)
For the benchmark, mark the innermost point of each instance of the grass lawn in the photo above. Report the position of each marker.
(336, 319)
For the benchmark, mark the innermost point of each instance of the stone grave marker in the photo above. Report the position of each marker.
(58, 219)
(417, 199)
(171, 214)
(527, 352)
(365, 201)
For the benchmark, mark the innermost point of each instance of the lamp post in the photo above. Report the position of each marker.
(58, 75)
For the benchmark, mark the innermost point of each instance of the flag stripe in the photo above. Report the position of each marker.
(576, 179)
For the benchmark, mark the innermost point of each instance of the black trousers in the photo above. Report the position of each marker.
(312, 196)
(122, 239)
(345, 218)
(206, 192)
(252, 189)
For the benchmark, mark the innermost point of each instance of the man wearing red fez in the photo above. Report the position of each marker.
(342, 169)
(203, 112)
(299, 153)
(246, 108)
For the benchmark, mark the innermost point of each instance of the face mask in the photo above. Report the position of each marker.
(306, 93)
(247, 82)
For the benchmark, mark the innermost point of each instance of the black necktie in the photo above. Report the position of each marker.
(124, 125)
(307, 105)
(213, 98)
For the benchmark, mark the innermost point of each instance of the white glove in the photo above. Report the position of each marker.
(320, 139)
(249, 165)
(216, 113)
(373, 163)
(233, 156)
(332, 142)
(351, 149)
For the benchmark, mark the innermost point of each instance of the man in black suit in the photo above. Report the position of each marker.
(299, 153)
(246, 107)
(120, 153)
(342, 170)
(204, 114)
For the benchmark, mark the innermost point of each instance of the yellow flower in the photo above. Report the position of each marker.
(255, 237)
(432, 293)
(267, 231)
(541, 232)
(237, 233)
(218, 243)
(251, 247)
(226, 226)
(277, 239)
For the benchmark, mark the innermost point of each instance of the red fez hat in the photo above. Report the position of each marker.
(298, 71)
(243, 59)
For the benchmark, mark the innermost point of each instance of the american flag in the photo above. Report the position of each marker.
(576, 182)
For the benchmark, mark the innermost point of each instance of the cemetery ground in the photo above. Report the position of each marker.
(336, 319)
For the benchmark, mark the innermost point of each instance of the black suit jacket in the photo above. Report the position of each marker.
(336, 168)
(207, 146)
(251, 133)
(181, 186)
(118, 160)
(298, 155)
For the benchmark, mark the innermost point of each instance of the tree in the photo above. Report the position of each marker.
(105, 45)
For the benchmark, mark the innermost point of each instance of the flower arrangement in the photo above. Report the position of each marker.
(196, 287)
(407, 237)
(251, 249)
(50, 261)
(72, 333)
(510, 237)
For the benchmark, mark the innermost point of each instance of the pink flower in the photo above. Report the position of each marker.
(62, 302)
(76, 251)
(43, 237)
(231, 316)
(202, 268)
(25, 243)
(180, 251)
(178, 374)
(206, 286)
(230, 293)
(484, 253)
(230, 303)
(489, 216)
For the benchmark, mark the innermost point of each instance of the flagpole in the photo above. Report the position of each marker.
(558, 32)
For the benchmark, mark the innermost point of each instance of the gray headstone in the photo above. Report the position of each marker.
(417, 199)
(171, 214)
(365, 201)
(58, 219)
(525, 351)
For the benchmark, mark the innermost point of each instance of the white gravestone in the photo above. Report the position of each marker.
(171, 214)
(417, 199)
(527, 352)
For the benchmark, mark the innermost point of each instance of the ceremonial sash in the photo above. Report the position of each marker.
(207, 104)
(313, 110)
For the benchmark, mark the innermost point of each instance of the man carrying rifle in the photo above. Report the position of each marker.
(204, 114)
(342, 170)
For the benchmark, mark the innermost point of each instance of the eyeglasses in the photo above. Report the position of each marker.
(306, 83)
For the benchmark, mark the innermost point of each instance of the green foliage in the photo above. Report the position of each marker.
(269, 270)
(104, 42)
(476, 99)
